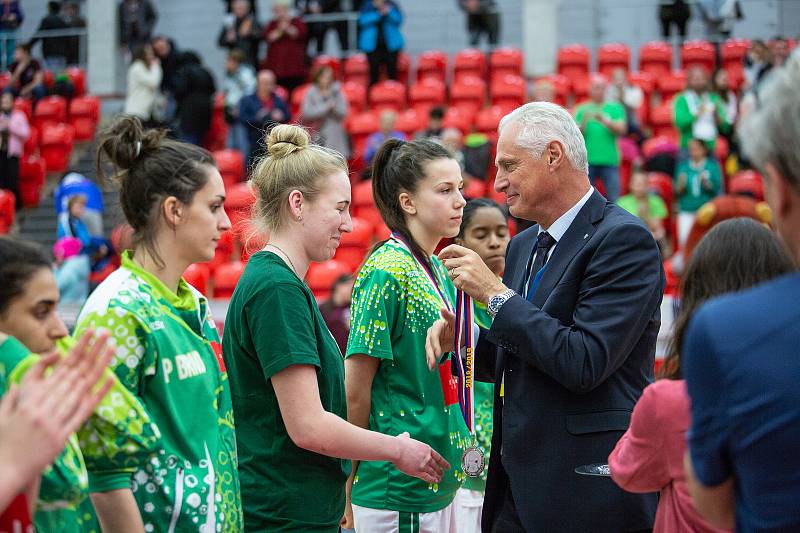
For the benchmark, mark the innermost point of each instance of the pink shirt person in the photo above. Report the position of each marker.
(649, 456)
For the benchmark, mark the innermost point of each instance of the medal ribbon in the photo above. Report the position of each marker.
(465, 321)
(425, 268)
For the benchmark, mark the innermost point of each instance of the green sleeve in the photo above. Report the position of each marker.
(375, 313)
(579, 112)
(683, 168)
(658, 209)
(722, 117)
(616, 112)
(121, 434)
(284, 337)
(683, 117)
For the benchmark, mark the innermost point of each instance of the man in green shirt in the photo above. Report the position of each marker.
(601, 122)
(698, 112)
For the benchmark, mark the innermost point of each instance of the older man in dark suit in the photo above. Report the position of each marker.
(573, 338)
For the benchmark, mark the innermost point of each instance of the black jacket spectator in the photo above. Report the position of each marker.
(194, 94)
(53, 46)
(167, 52)
(74, 20)
(136, 21)
(241, 30)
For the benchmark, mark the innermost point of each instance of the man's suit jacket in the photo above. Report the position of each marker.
(576, 359)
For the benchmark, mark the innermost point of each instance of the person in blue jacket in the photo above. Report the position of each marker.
(379, 36)
(260, 111)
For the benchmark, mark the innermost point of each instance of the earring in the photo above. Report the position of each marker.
(299, 218)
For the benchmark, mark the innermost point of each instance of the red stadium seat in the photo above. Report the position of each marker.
(698, 53)
(732, 53)
(56, 145)
(459, 118)
(231, 166)
(8, 210)
(296, 102)
(387, 94)
(356, 68)
(474, 189)
(664, 144)
(655, 58)
(31, 145)
(50, 110)
(362, 197)
(49, 78)
(403, 67)
(226, 276)
(356, 94)
(321, 276)
(326, 61)
(573, 61)
(721, 151)
(661, 184)
(580, 89)
(218, 132)
(78, 78)
(561, 87)
(26, 106)
(360, 126)
(610, 57)
(4, 79)
(432, 64)
(505, 60)
(488, 119)
(468, 93)
(661, 119)
(671, 84)
(427, 93)
(84, 114)
(355, 245)
(197, 275)
(239, 202)
(32, 172)
(409, 122)
(509, 91)
(747, 182)
(469, 62)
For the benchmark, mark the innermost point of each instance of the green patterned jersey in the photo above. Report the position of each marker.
(168, 355)
(394, 304)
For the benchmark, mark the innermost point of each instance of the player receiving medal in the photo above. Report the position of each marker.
(398, 294)
(484, 230)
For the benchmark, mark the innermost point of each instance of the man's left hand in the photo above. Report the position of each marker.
(470, 274)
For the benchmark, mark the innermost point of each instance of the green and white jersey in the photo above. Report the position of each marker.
(168, 355)
(394, 304)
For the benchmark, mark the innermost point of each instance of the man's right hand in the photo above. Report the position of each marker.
(442, 333)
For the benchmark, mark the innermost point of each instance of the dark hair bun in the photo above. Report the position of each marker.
(125, 141)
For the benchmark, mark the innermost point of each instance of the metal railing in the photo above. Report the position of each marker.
(79, 33)
(352, 26)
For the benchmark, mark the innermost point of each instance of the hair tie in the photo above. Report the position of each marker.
(138, 149)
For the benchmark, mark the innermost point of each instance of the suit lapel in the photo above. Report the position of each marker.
(576, 237)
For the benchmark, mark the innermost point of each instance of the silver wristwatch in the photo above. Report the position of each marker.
(497, 301)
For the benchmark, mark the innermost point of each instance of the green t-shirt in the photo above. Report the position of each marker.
(394, 304)
(168, 355)
(656, 207)
(601, 143)
(273, 322)
(63, 503)
(697, 193)
(484, 409)
(685, 110)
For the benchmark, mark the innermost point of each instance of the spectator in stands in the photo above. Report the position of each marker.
(452, 139)
(379, 36)
(739, 354)
(27, 76)
(194, 94)
(675, 12)
(144, 80)
(543, 91)
(260, 111)
(698, 112)
(14, 131)
(435, 125)
(649, 456)
(72, 16)
(719, 17)
(73, 183)
(241, 30)
(72, 270)
(721, 87)
(136, 21)
(167, 52)
(336, 310)
(601, 122)
(239, 81)
(780, 51)
(54, 49)
(318, 30)
(477, 152)
(324, 110)
(757, 63)
(229, 7)
(647, 206)
(11, 17)
(630, 96)
(287, 39)
(482, 18)
(387, 121)
(71, 224)
(697, 181)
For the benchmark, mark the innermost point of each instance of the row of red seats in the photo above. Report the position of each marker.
(31, 183)
(76, 75)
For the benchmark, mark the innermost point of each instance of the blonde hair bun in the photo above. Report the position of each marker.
(286, 139)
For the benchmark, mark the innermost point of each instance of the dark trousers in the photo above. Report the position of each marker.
(9, 175)
(318, 30)
(488, 23)
(290, 83)
(378, 58)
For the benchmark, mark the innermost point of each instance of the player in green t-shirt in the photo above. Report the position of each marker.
(398, 294)
(286, 369)
(601, 123)
(168, 350)
(484, 230)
